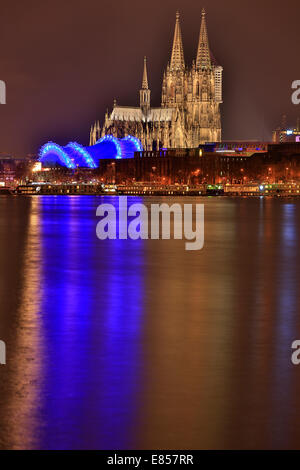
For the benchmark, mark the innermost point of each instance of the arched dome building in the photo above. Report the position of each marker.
(75, 155)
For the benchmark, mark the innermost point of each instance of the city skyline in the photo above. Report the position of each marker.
(60, 77)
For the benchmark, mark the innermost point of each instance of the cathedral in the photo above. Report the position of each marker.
(190, 102)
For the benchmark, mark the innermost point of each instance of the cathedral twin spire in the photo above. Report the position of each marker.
(177, 63)
(177, 57)
(203, 52)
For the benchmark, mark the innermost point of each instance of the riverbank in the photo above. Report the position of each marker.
(156, 189)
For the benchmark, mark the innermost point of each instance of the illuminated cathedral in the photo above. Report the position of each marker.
(190, 104)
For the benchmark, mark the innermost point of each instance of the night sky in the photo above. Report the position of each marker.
(65, 61)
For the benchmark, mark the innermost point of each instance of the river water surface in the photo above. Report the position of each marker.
(123, 344)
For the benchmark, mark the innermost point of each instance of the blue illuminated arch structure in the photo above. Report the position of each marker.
(54, 153)
(137, 143)
(130, 145)
(108, 147)
(75, 155)
(81, 155)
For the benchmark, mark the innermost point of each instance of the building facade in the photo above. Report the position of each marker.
(284, 133)
(190, 104)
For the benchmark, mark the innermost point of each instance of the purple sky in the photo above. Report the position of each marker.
(65, 61)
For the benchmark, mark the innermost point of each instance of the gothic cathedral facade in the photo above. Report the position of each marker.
(190, 104)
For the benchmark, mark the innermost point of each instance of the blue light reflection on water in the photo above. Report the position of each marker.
(92, 294)
(286, 295)
(142, 344)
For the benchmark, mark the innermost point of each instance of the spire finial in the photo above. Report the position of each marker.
(145, 76)
(177, 57)
(145, 92)
(203, 52)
